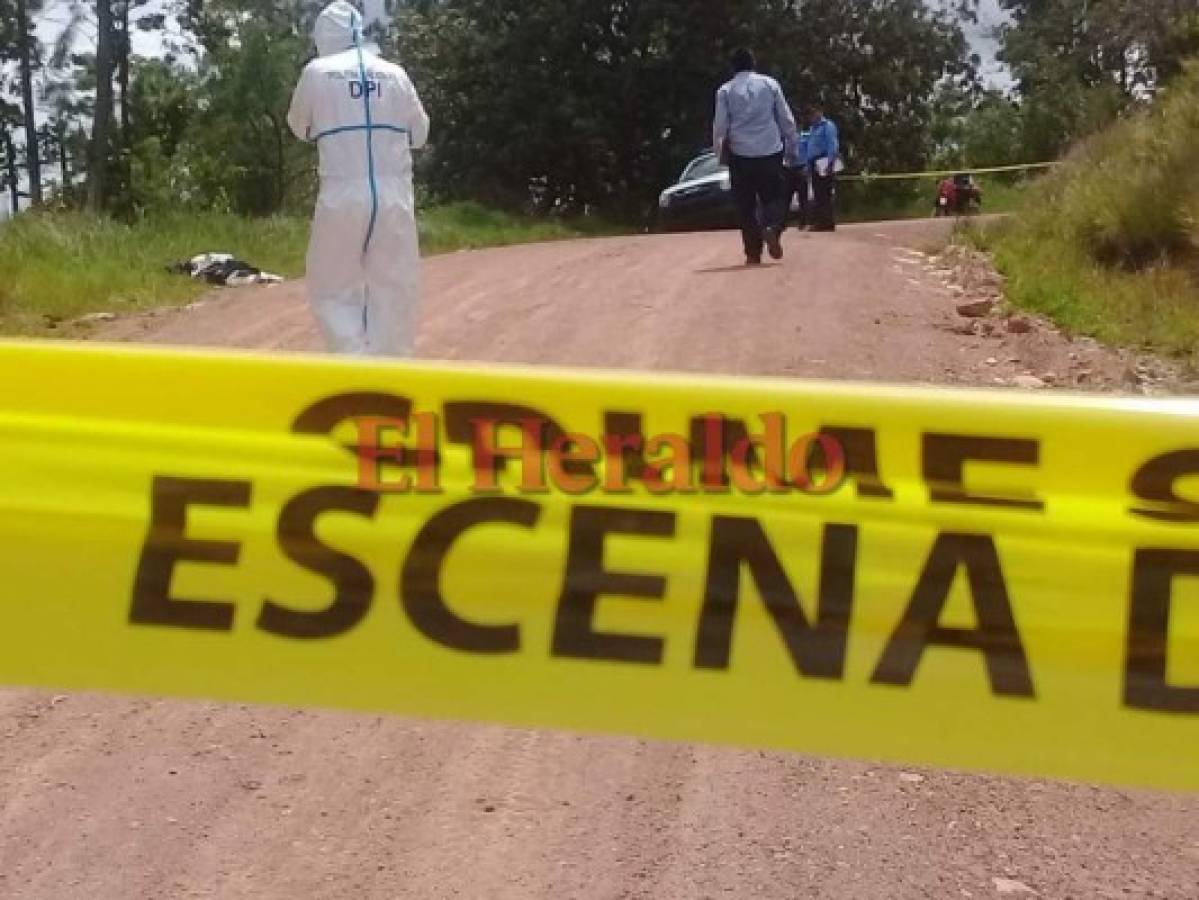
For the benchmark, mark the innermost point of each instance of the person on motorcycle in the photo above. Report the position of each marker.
(959, 196)
(945, 198)
(969, 196)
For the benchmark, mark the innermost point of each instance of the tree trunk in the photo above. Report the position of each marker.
(126, 48)
(102, 120)
(64, 162)
(10, 153)
(32, 156)
(124, 51)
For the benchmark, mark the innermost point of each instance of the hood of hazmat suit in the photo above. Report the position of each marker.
(366, 118)
(334, 29)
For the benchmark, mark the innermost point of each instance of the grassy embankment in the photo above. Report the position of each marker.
(1108, 245)
(57, 267)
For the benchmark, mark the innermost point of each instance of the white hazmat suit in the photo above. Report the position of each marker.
(364, 256)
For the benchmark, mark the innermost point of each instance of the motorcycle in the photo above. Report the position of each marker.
(958, 196)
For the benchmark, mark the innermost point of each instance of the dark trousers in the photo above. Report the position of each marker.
(797, 186)
(824, 201)
(758, 190)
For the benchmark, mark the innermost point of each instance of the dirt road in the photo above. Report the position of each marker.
(862, 305)
(104, 797)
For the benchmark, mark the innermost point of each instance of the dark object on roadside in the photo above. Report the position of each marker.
(703, 199)
(958, 196)
(976, 309)
(224, 270)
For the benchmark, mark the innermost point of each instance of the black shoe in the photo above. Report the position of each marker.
(773, 243)
(753, 260)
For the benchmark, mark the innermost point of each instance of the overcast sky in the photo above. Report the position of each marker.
(987, 45)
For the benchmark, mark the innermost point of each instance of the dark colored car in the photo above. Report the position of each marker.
(702, 199)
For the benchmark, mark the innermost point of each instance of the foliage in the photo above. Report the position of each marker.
(580, 104)
(573, 106)
(976, 128)
(1137, 44)
(1109, 243)
(238, 151)
(1080, 63)
(163, 107)
(21, 51)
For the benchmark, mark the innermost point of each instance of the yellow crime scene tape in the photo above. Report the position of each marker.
(990, 581)
(948, 173)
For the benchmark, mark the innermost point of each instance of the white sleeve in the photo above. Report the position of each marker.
(786, 121)
(720, 121)
(299, 117)
(417, 119)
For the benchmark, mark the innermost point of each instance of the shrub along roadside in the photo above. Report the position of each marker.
(1108, 245)
(55, 267)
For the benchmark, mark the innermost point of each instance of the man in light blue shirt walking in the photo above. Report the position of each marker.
(753, 128)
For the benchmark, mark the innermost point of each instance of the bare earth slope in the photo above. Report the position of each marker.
(104, 797)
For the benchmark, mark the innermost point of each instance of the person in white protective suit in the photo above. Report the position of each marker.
(364, 257)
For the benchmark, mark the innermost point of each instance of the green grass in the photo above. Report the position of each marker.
(468, 226)
(915, 199)
(56, 267)
(59, 266)
(1108, 245)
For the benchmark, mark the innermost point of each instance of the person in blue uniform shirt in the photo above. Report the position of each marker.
(824, 162)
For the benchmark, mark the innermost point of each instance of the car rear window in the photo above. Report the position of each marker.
(702, 168)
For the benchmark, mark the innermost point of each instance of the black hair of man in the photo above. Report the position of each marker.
(744, 61)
